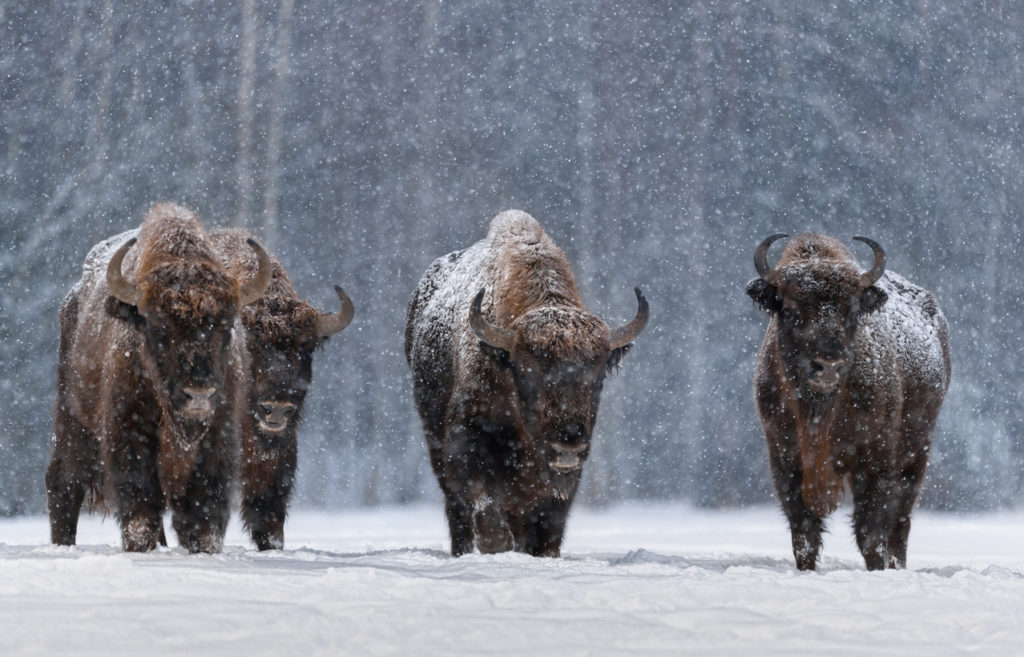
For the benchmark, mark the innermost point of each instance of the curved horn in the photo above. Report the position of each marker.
(257, 285)
(623, 335)
(870, 277)
(489, 334)
(119, 287)
(761, 257)
(327, 325)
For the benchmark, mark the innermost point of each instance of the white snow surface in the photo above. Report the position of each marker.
(634, 580)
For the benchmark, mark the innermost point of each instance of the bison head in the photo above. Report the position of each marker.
(558, 357)
(184, 311)
(816, 294)
(285, 332)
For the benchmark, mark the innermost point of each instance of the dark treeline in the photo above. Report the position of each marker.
(658, 142)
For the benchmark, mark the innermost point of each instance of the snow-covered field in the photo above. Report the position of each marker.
(634, 580)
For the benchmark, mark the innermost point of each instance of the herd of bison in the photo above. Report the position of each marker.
(186, 356)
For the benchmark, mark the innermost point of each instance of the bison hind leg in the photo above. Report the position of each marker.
(904, 497)
(64, 496)
(460, 524)
(73, 472)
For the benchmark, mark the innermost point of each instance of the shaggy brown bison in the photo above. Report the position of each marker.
(283, 332)
(851, 374)
(151, 384)
(507, 372)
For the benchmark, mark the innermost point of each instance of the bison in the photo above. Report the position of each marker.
(849, 381)
(507, 371)
(151, 384)
(283, 332)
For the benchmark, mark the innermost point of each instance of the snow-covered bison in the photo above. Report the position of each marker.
(849, 381)
(507, 372)
(151, 384)
(283, 332)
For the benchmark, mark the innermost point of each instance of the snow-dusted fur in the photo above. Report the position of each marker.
(866, 424)
(507, 430)
(124, 431)
(282, 336)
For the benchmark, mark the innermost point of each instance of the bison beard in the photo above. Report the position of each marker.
(507, 383)
(849, 381)
(151, 385)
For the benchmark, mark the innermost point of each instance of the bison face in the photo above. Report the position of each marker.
(285, 332)
(558, 357)
(190, 360)
(280, 381)
(558, 400)
(816, 304)
(184, 310)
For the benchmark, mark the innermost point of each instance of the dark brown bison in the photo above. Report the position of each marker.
(507, 372)
(151, 384)
(283, 332)
(849, 381)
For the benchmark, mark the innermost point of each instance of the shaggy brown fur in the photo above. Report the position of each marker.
(128, 425)
(849, 382)
(508, 425)
(283, 333)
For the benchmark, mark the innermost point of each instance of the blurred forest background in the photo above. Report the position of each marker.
(658, 142)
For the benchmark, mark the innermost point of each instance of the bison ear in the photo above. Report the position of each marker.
(615, 359)
(764, 294)
(124, 311)
(872, 299)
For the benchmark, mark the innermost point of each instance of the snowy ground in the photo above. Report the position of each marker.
(635, 580)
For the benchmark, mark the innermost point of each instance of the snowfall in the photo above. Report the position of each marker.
(636, 579)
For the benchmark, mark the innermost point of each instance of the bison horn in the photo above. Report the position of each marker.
(328, 325)
(870, 277)
(761, 257)
(623, 335)
(257, 285)
(488, 333)
(119, 287)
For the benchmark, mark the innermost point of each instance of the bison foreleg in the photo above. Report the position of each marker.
(490, 529)
(543, 529)
(805, 527)
(264, 516)
(140, 500)
(200, 517)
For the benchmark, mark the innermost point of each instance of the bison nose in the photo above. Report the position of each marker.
(827, 372)
(200, 400)
(567, 456)
(273, 416)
